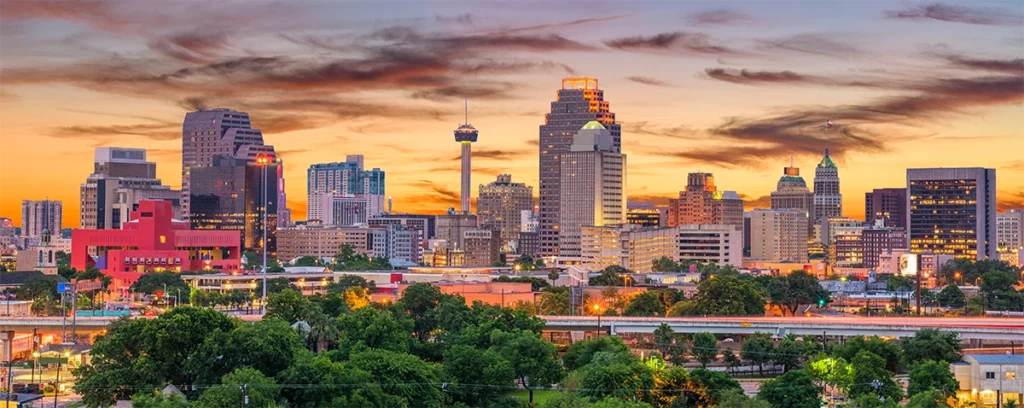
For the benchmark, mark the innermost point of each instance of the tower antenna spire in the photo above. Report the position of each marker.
(790, 160)
(828, 124)
(467, 111)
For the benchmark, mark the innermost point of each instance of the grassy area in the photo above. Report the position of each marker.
(539, 396)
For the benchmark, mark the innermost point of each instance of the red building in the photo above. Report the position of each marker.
(153, 241)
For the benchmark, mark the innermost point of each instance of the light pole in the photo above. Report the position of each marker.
(263, 161)
(35, 362)
(597, 311)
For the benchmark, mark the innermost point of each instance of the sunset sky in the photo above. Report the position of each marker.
(729, 88)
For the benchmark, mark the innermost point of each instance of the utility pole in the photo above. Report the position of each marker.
(444, 395)
(918, 291)
(245, 395)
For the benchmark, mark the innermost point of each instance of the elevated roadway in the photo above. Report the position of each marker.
(969, 328)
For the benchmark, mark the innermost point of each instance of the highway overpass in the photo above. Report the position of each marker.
(968, 328)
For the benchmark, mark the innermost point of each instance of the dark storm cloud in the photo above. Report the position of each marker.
(722, 16)
(958, 14)
(674, 42)
(672, 132)
(647, 80)
(657, 200)
(437, 191)
(474, 42)
(462, 92)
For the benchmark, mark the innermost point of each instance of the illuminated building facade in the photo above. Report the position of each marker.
(721, 244)
(1010, 234)
(703, 203)
(592, 188)
(344, 179)
(629, 246)
(578, 102)
(877, 240)
(229, 196)
(645, 214)
(791, 192)
(466, 135)
(121, 178)
(451, 227)
(153, 241)
(828, 201)
(952, 211)
(778, 235)
(38, 216)
(482, 247)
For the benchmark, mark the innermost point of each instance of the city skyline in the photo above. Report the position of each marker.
(732, 89)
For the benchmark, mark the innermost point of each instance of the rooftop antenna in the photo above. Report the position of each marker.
(467, 111)
(791, 160)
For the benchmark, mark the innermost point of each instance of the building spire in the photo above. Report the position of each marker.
(467, 112)
(790, 160)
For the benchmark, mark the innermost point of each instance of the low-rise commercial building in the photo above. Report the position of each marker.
(990, 380)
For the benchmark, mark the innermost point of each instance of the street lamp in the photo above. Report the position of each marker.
(35, 362)
(263, 161)
(56, 383)
(597, 311)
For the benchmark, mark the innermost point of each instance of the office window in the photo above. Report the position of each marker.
(990, 375)
(1011, 375)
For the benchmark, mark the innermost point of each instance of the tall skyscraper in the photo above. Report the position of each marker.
(578, 102)
(778, 235)
(702, 203)
(1010, 229)
(592, 188)
(208, 133)
(791, 192)
(952, 211)
(121, 178)
(230, 196)
(828, 201)
(500, 205)
(451, 227)
(346, 178)
(466, 135)
(889, 204)
(41, 215)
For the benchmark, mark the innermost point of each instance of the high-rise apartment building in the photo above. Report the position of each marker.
(877, 240)
(7, 233)
(778, 235)
(208, 133)
(38, 216)
(229, 195)
(425, 223)
(340, 209)
(392, 242)
(346, 178)
(791, 192)
(828, 201)
(952, 211)
(889, 204)
(592, 188)
(500, 207)
(121, 178)
(578, 102)
(645, 214)
(630, 246)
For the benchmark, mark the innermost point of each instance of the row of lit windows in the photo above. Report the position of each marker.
(152, 261)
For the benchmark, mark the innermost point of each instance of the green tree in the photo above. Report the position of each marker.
(153, 282)
(871, 378)
(645, 304)
(481, 377)
(798, 288)
(674, 387)
(614, 275)
(664, 264)
(338, 385)
(758, 349)
(736, 399)
(42, 286)
(872, 401)
(581, 353)
(346, 282)
(420, 300)
(794, 389)
(307, 260)
(267, 346)
(889, 351)
(928, 399)
(536, 284)
(830, 371)
(369, 328)
(716, 383)
(997, 287)
(288, 305)
(145, 354)
(790, 353)
(932, 375)
(621, 380)
(554, 301)
(553, 276)
(157, 399)
(952, 297)
(402, 375)
(728, 296)
(730, 359)
(705, 348)
(524, 263)
(274, 285)
(261, 390)
(533, 359)
(931, 344)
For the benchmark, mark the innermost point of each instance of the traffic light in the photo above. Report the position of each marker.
(821, 302)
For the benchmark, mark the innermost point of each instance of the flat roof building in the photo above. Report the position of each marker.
(953, 211)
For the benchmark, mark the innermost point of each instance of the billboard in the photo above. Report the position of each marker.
(909, 265)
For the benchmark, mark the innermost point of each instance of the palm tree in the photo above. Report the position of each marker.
(322, 330)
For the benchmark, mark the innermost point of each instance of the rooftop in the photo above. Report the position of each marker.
(826, 162)
(998, 358)
(593, 125)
